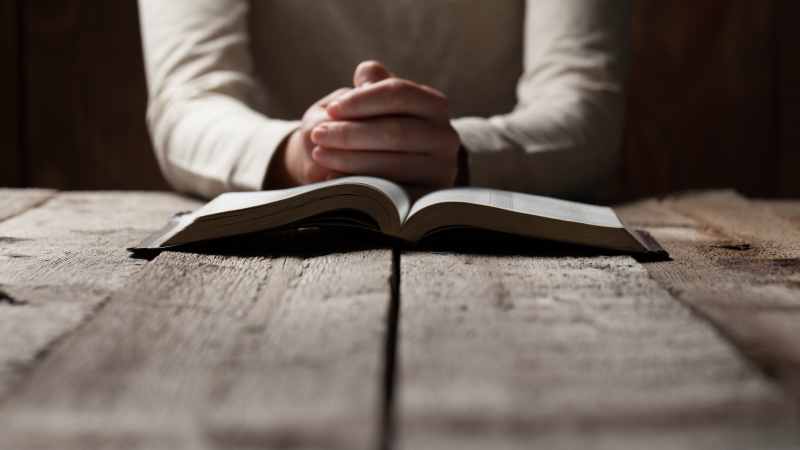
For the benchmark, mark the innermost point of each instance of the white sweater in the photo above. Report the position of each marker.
(535, 87)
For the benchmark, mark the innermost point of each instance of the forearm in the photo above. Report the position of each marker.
(563, 137)
(564, 147)
(203, 96)
(214, 144)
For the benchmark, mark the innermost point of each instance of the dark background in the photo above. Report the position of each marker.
(714, 99)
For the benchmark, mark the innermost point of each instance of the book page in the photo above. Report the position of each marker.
(236, 201)
(384, 202)
(523, 203)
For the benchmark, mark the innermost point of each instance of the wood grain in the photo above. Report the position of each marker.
(12, 164)
(283, 345)
(502, 351)
(16, 201)
(60, 261)
(787, 209)
(787, 94)
(702, 98)
(739, 265)
(86, 97)
(214, 351)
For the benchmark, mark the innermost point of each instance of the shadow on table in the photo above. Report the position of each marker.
(310, 242)
(490, 243)
(304, 242)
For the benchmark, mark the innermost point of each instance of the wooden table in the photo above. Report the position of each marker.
(365, 348)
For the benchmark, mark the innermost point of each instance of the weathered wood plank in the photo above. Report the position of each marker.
(212, 352)
(16, 201)
(58, 262)
(787, 209)
(738, 265)
(509, 352)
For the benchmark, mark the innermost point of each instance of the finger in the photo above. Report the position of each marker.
(324, 101)
(317, 113)
(392, 96)
(389, 133)
(313, 117)
(332, 175)
(314, 172)
(404, 167)
(370, 72)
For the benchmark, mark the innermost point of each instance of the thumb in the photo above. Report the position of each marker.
(370, 72)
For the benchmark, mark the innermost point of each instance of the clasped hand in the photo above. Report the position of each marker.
(384, 126)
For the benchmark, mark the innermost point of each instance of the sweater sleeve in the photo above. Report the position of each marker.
(203, 99)
(563, 136)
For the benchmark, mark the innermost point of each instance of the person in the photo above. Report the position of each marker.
(523, 95)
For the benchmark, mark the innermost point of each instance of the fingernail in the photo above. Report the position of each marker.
(334, 105)
(319, 132)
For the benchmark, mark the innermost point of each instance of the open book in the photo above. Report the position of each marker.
(382, 206)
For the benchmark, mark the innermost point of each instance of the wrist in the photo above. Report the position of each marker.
(462, 176)
(279, 173)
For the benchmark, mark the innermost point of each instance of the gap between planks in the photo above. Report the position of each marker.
(197, 352)
(45, 381)
(388, 409)
(390, 378)
(579, 352)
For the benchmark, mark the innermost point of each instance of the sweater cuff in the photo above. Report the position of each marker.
(251, 170)
(481, 143)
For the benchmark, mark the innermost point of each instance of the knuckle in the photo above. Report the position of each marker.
(369, 71)
(341, 91)
(370, 65)
(399, 94)
(343, 135)
(439, 101)
(440, 106)
(396, 86)
(444, 103)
